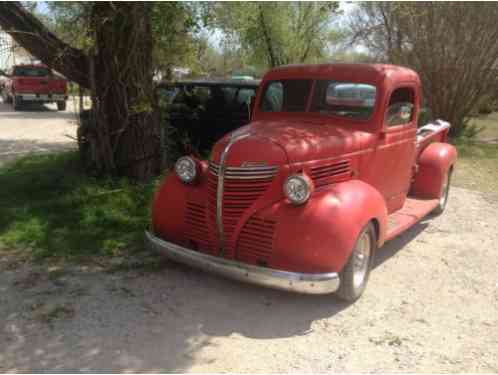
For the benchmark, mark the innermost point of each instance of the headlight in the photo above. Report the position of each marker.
(297, 188)
(186, 169)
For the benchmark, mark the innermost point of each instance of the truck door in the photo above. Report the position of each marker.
(395, 150)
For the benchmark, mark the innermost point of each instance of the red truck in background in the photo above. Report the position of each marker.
(34, 83)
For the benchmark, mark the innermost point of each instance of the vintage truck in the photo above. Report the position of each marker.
(330, 167)
(34, 83)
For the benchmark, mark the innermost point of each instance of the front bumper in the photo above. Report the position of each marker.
(308, 283)
(41, 97)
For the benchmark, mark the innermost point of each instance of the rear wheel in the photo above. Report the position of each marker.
(61, 105)
(445, 191)
(354, 275)
(17, 102)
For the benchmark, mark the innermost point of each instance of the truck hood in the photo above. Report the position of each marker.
(277, 142)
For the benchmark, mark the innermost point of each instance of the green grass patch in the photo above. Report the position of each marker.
(49, 207)
(477, 167)
(488, 125)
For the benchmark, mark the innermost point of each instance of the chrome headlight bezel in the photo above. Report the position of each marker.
(301, 182)
(186, 169)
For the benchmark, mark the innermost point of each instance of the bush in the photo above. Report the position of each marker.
(424, 116)
(486, 106)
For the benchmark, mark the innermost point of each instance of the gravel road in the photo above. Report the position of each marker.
(431, 305)
(37, 128)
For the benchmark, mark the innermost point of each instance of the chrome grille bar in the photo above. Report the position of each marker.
(219, 191)
(251, 173)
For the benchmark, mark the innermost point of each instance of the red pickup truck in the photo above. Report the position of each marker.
(330, 167)
(34, 83)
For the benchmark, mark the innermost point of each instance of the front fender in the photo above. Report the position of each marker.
(319, 236)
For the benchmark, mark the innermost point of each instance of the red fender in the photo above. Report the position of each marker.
(433, 164)
(170, 204)
(319, 235)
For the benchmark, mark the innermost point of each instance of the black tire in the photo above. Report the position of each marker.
(17, 103)
(61, 106)
(351, 287)
(443, 200)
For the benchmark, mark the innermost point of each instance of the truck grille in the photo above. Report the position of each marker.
(242, 187)
(255, 242)
(197, 234)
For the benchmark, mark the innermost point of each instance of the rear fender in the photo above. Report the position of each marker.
(433, 164)
(319, 236)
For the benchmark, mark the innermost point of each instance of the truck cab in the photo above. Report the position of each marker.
(330, 167)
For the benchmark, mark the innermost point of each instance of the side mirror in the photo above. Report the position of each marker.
(252, 104)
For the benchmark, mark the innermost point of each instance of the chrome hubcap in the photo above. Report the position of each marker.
(361, 259)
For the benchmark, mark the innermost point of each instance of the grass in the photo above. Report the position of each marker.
(477, 167)
(489, 126)
(49, 207)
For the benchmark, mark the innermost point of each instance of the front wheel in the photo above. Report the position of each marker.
(445, 191)
(354, 275)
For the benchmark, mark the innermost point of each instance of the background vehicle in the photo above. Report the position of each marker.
(34, 83)
(204, 111)
(302, 197)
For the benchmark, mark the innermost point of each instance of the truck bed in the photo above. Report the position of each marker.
(436, 131)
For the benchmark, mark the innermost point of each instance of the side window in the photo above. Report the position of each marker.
(244, 96)
(273, 99)
(229, 93)
(401, 107)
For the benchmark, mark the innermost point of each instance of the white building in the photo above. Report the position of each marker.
(6, 55)
(11, 53)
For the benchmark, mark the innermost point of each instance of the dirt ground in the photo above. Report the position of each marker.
(431, 305)
(37, 128)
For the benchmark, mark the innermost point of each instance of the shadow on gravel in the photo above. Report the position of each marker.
(12, 149)
(160, 316)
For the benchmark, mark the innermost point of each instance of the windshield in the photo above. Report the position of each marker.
(28, 71)
(345, 99)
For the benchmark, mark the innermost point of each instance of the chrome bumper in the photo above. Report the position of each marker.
(309, 283)
(42, 97)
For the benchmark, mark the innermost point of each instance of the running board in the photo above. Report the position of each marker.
(412, 212)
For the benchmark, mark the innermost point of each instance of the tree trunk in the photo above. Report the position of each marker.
(126, 114)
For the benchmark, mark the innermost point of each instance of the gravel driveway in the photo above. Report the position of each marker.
(431, 304)
(37, 128)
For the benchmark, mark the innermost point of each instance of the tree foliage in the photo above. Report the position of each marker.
(276, 33)
(453, 46)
